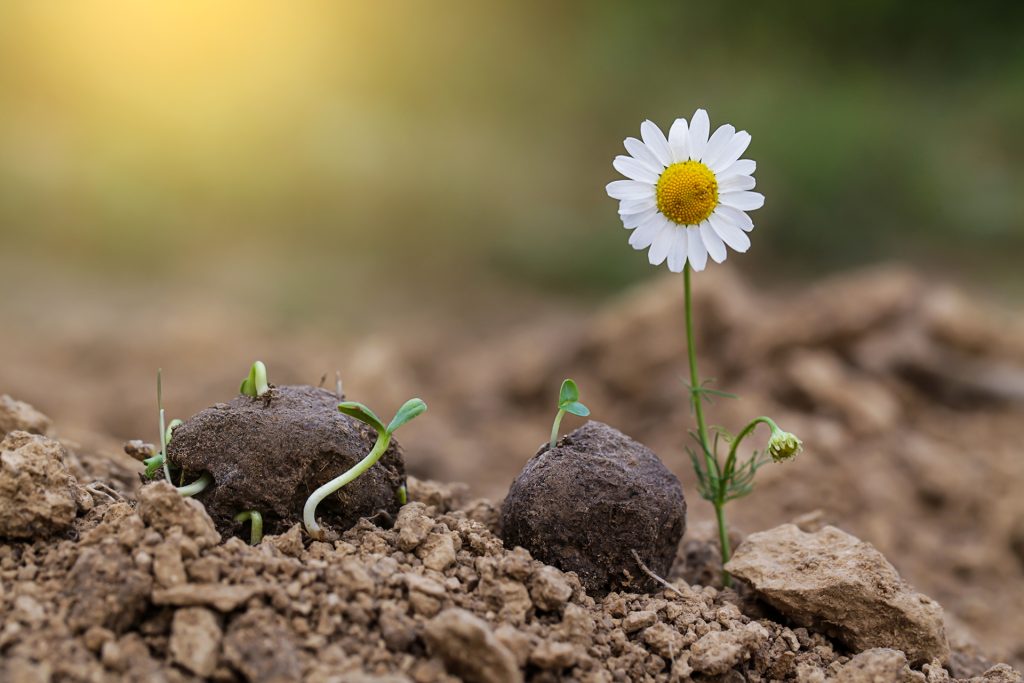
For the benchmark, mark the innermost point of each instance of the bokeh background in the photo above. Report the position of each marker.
(412, 193)
(276, 153)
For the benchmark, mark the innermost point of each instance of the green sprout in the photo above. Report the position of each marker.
(402, 495)
(256, 384)
(719, 482)
(568, 402)
(410, 410)
(160, 459)
(256, 527)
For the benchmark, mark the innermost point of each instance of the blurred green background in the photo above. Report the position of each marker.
(292, 156)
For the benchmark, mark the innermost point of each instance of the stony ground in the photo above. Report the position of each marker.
(109, 586)
(907, 393)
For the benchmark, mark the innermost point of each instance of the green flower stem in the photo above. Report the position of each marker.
(309, 510)
(698, 408)
(556, 426)
(744, 433)
(711, 462)
(198, 486)
(256, 530)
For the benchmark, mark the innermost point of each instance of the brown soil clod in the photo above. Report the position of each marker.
(587, 504)
(269, 453)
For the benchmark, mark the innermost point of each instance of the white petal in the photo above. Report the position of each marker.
(741, 167)
(629, 189)
(730, 233)
(698, 137)
(635, 205)
(716, 144)
(677, 135)
(635, 220)
(695, 250)
(634, 170)
(736, 217)
(730, 184)
(643, 154)
(662, 243)
(643, 236)
(714, 243)
(656, 142)
(742, 200)
(677, 252)
(731, 152)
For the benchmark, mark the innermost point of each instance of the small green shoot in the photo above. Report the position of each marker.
(160, 459)
(256, 384)
(409, 411)
(256, 527)
(157, 461)
(402, 494)
(568, 402)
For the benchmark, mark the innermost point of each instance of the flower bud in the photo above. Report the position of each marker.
(783, 446)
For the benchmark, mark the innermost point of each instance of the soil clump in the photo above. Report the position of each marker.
(270, 453)
(588, 503)
(143, 591)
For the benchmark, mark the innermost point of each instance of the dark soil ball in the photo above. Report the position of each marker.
(268, 454)
(584, 505)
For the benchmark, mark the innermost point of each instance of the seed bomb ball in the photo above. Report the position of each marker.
(583, 505)
(269, 453)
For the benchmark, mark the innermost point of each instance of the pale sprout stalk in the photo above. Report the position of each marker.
(199, 484)
(409, 410)
(256, 525)
(309, 509)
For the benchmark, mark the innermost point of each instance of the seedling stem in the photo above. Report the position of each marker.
(411, 409)
(256, 526)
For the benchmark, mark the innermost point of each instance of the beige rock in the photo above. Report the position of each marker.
(519, 644)
(412, 525)
(634, 621)
(168, 567)
(163, 508)
(469, 649)
(663, 640)
(260, 647)
(425, 594)
(878, 664)
(437, 551)
(509, 598)
(17, 416)
(832, 582)
(289, 543)
(221, 597)
(38, 496)
(553, 655)
(549, 589)
(195, 640)
(717, 652)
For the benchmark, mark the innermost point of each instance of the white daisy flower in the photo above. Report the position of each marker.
(688, 195)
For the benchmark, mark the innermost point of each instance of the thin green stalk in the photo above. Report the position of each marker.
(198, 486)
(711, 461)
(555, 427)
(309, 510)
(698, 408)
(256, 526)
(744, 433)
(723, 541)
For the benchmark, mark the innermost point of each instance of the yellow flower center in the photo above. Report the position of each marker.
(687, 192)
